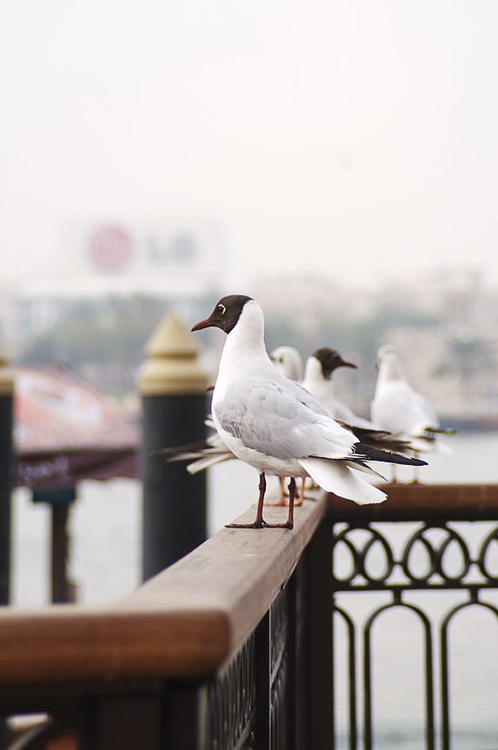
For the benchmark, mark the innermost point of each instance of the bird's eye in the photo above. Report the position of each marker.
(221, 309)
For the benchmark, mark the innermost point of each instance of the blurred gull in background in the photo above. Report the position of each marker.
(397, 407)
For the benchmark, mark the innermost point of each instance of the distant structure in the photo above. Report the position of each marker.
(176, 259)
(186, 253)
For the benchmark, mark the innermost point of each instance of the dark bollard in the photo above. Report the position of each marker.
(6, 477)
(6, 482)
(174, 402)
(62, 590)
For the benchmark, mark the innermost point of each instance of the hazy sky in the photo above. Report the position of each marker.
(357, 137)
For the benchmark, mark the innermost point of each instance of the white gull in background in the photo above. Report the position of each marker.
(398, 408)
(274, 424)
(288, 361)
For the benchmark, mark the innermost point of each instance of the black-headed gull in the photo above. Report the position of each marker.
(397, 407)
(318, 372)
(274, 424)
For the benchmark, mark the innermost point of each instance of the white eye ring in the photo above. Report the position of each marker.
(222, 309)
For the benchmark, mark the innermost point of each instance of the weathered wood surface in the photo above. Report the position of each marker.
(417, 501)
(184, 622)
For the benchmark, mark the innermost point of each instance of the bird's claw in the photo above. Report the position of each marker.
(253, 525)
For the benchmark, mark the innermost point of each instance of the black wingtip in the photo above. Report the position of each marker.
(374, 454)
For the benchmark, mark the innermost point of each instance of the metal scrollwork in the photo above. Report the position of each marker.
(438, 554)
(432, 556)
(363, 555)
(489, 543)
(232, 703)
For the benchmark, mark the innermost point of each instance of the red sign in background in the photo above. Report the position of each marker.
(110, 247)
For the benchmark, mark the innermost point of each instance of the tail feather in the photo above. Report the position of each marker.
(210, 460)
(335, 476)
(369, 453)
(360, 466)
(194, 446)
(440, 430)
(381, 439)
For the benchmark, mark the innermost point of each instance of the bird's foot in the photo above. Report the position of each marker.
(277, 503)
(286, 525)
(253, 525)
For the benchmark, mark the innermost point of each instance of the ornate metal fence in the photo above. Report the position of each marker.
(420, 541)
(270, 640)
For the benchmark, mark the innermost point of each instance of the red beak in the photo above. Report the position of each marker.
(202, 324)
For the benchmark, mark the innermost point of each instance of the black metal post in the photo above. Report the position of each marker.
(6, 477)
(6, 481)
(174, 402)
(60, 500)
(60, 592)
(320, 680)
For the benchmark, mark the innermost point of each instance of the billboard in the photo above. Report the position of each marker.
(179, 248)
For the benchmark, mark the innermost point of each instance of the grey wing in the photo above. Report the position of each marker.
(401, 409)
(281, 420)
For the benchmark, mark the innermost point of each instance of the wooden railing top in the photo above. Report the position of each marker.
(417, 501)
(184, 622)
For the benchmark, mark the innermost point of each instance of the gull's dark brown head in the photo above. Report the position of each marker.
(226, 313)
(330, 360)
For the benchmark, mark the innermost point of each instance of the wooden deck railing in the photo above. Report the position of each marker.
(112, 672)
(232, 647)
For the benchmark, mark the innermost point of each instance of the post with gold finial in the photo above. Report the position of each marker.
(173, 387)
(6, 476)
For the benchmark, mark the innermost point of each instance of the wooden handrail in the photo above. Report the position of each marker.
(183, 623)
(416, 501)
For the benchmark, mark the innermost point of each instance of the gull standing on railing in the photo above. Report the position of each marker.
(397, 407)
(213, 451)
(274, 424)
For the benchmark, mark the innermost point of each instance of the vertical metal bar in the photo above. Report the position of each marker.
(263, 696)
(59, 553)
(4, 733)
(445, 693)
(320, 677)
(124, 722)
(183, 720)
(429, 690)
(6, 476)
(367, 690)
(352, 690)
(301, 655)
(292, 667)
(6, 482)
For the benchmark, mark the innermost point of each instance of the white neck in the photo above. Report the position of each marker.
(321, 388)
(245, 342)
(391, 368)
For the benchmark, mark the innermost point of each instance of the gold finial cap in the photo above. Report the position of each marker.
(172, 365)
(6, 377)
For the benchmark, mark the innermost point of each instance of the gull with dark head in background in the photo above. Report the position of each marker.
(320, 367)
(275, 425)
